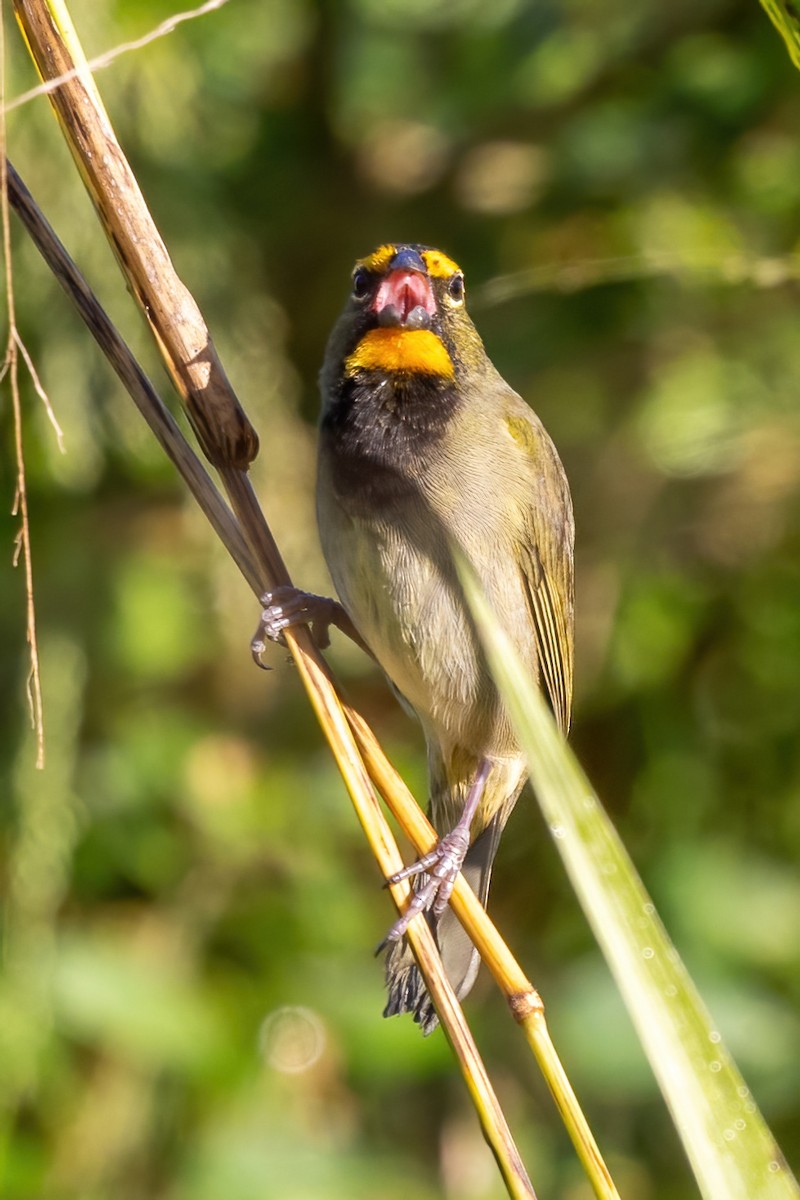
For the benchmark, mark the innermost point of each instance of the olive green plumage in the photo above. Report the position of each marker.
(413, 456)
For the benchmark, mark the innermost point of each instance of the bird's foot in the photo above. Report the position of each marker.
(287, 607)
(441, 866)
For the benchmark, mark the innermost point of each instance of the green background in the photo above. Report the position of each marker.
(189, 1006)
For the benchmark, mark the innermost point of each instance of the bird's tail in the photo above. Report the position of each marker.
(406, 991)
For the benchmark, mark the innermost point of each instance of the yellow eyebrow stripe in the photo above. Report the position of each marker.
(439, 265)
(379, 260)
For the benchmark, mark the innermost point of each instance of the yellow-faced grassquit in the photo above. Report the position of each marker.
(422, 445)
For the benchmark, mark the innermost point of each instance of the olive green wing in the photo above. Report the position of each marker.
(545, 555)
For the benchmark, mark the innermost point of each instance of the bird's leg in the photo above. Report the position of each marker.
(442, 864)
(288, 606)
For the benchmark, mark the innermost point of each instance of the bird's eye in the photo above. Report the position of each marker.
(456, 288)
(360, 282)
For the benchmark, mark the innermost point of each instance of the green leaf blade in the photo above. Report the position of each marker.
(730, 1148)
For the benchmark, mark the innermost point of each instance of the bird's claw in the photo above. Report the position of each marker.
(286, 607)
(441, 866)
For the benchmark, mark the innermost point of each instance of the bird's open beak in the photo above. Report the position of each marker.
(405, 297)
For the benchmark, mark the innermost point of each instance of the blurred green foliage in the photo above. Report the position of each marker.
(189, 1008)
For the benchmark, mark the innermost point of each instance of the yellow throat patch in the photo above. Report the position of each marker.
(410, 351)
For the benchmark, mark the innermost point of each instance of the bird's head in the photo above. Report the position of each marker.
(406, 316)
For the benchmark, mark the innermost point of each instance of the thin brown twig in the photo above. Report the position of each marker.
(22, 544)
(109, 56)
(39, 389)
(579, 275)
